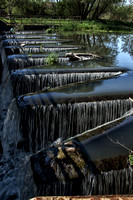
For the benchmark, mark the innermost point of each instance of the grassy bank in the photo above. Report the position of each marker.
(99, 25)
(63, 25)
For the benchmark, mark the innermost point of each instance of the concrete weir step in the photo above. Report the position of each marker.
(115, 88)
(32, 32)
(10, 50)
(31, 80)
(23, 61)
(17, 61)
(26, 36)
(8, 42)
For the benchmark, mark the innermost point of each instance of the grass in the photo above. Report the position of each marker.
(99, 25)
(63, 25)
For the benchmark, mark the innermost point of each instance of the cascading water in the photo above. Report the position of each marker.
(23, 84)
(36, 49)
(23, 61)
(37, 127)
(33, 123)
(112, 182)
(11, 127)
(13, 42)
(25, 36)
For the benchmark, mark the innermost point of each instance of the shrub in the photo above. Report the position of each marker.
(49, 30)
(51, 59)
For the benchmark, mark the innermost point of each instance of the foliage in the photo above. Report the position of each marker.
(49, 30)
(75, 25)
(92, 9)
(51, 59)
(121, 12)
(97, 25)
(19, 27)
(131, 159)
(69, 26)
(25, 7)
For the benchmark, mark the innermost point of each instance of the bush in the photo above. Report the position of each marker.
(49, 30)
(51, 59)
(69, 26)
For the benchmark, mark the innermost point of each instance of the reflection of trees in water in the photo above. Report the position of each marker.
(106, 45)
(127, 43)
(89, 86)
(98, 42)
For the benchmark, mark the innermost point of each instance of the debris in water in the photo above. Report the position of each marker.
(82, 56)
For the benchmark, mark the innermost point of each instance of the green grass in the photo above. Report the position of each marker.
(65, 25)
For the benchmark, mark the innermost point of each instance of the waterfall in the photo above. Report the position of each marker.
(45, 49)
(34, 122)
(11, 137)
(23, 84)
(25, 36)
(27, 61)
(37, 127)
(12, 42)
(10, 50)
(19, 183)
(5, 90)
(112, 182)
(38, 32)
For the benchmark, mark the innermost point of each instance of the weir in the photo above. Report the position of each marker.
(36, 80)
(108, 89)
(54, 121)
(12, 42)
(37, 49)
(72, 167)
(26, 36)
(5, 88)
(68, 111)
(23, 61)
(73, 137)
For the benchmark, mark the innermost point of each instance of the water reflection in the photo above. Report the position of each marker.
(117, 49)
(118, 85)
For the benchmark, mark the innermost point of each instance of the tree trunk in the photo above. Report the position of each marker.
(87, 9)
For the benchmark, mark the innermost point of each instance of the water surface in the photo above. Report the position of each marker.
(116, 50)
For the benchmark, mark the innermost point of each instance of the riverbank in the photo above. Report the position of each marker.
(65, 25)
(98, 25)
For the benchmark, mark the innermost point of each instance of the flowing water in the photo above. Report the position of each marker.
(31, 82)
(62, 101)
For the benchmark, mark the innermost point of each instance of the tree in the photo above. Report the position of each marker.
(86, 8)
(122, 11)
(24, 7)
(31, 7)
(77, 7)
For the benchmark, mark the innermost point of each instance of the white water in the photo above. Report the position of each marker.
(32, 83)
(11, 133)
(112, 182)
(16, 63)
(34, 128)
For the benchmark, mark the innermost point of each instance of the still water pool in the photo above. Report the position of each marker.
(116, 49)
